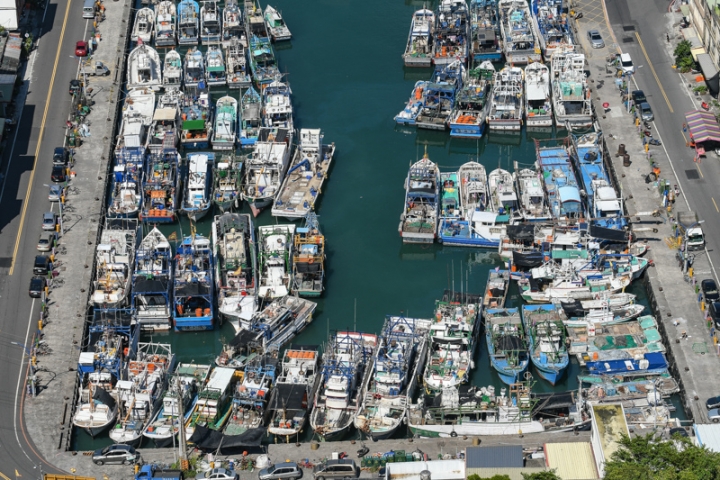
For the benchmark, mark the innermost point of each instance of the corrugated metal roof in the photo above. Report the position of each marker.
(513, 473)
(611, 426)
(571, 461)
(510, 456)
(7, 78)
(708, 436)
(439, 470)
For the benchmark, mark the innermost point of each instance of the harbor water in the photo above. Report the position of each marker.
(347, 77)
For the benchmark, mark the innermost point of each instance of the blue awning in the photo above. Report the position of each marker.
(569, 194)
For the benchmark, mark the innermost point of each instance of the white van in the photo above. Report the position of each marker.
(626, 63)
(89, 9)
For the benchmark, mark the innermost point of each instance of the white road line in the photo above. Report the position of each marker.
(20, 378)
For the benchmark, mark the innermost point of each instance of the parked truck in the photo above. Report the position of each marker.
(153, 472)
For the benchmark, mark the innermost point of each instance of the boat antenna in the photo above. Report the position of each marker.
(452, 290)
(355, 316)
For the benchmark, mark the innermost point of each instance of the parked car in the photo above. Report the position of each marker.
(625, 63)
(55, 193)
(81, 48)
(58, 174)
(713, 402)
(218, 474)
(596, 40)
(714, 310)
(124, 454)
(42, 265)
(638, 96)
(709, 290)
(46, 242)
(714, 415)
(645, 112)
(37, 286)
(61, 156)
(49, 221)
(281, 471)
(343, 469)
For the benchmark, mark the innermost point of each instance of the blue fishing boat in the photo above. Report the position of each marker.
(450, 36)
(161, 187)
(650, 363)
(263, 64)
(126, 199)
(250, 117)
(469, 115)
(545, 334)
(151, 281)
(439, 96)
(194, 68)
(193, 285)
(561, 185)
(412, 109)
(553, 27)
(188, 22)
(196, 119)
(506, 345)
(210, 22)
(484, 29)
(215, 73)
(197, 199)
(604, 206)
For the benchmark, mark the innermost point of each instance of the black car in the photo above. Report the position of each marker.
(37, 285)
(42, 265)
(709, 290)
(58, 174)
(61, 156)
(714, 310)
(713, 402)
(638, 96)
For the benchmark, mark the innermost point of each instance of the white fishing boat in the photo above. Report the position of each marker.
(418, 52)
(126, 196)
(265, 167)
(165, 128)
(532, 201)
(188, 21)
(172, 70)
(507, 107)
(280, 321)
(238, 75)
(215, 73)
(210, 22)
(196, 201)
(233, 27)
(275, 244)
(224, 134)
(537, 95)
(254, 20)
(151, 282)
(571, 93)
(277, 105)
(519, 37)
(194, 68)
(276, 25)
(451, 33)
(144, 68)
(165, 23)
(474, 195)
(136, 118)
(304, 180)
(97, 408)
(250, 117)
(419, 219)
(144, 26)
(552, 283)
(114, 259)
(502, 193)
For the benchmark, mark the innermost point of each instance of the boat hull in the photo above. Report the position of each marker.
(539, 121)
(335, 435)
(417, 62)
(408, 237)
(550, 375)
(463, 130)
(258, 205)
(196, 215)
(156, 219)
(476, 429)
(508, 376)
(195, 144)
(193, 324)
(514, 124)
(133, 441)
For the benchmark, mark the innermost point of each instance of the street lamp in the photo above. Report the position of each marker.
(32, 366)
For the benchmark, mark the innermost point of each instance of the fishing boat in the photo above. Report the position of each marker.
(165, 23)
(250, 396)
(144, 26)
(233, 238)
(552, 26)
(450, 35)
(233, 27)
(114, 258)
(179, 400)
(143, 68)
(518, 32)
(561, 185)
(140, 396)
(469, 114)
(213, 404)
(409, 114)
(161, 187)
(308, 259)
(165, 128)
(419, 220)
(439, 96)
(254, 20)
(304, 180)
(224, 134)
(196, 201)
(507, 107)
(474, 195)
(188, 22)
(418, 52)
(194, 68)
(96, 409)
(604, 206)
(469, 411)
(496, 289)
(227, 175)
(136, 119)
(172, 70)
(250, 117)
(193, 285)
(238, 75)
(537, 95)
(651, 363)
(265, 167)
(196, 115)
(346, 370)
(275, 251)
(503, 198)
(215, 66)
(263, 64)
(126, 197)
(277, 105)
(572, 97)
(545, 333)
(398, 361)
(280, 321)
(151, 281)
(210, 22)
(449, 197)
(484, 29)
(276, 26)
(453, 338)
(295, 387)
(531, 195)
(506, 345)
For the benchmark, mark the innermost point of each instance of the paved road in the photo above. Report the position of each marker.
(24, 199)
(640, 27)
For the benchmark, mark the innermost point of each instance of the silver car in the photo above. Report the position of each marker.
(55, 193)
(596, 39)
(49, 221)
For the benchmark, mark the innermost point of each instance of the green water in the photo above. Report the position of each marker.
(345, 69)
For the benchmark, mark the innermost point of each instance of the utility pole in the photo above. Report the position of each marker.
(184, 465)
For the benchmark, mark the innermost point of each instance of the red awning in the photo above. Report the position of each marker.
(703, 126)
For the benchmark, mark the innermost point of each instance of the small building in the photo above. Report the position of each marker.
(708, 435)
(608, 427)
(502, 460)
(10, 13)
(439, 470)
(571, 461)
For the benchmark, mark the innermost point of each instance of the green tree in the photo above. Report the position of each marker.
(645, 458)
(548, 475)
(475, 476)
(683, 56)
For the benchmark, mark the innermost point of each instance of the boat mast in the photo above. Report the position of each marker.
(181, 427)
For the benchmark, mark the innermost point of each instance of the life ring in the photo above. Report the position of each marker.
(311, 260)
(453, 434)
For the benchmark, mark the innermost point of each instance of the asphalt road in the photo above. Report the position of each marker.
(23, 199)
(640, 27)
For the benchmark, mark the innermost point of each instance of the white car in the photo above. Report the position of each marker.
(626, 63)
(218, 474)
(714, 415)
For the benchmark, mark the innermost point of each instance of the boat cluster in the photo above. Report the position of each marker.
(465, 92)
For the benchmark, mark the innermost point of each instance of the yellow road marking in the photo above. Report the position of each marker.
(662, 90)
(42, 130)
(4, 477)
(716, 207)
(698, 167)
